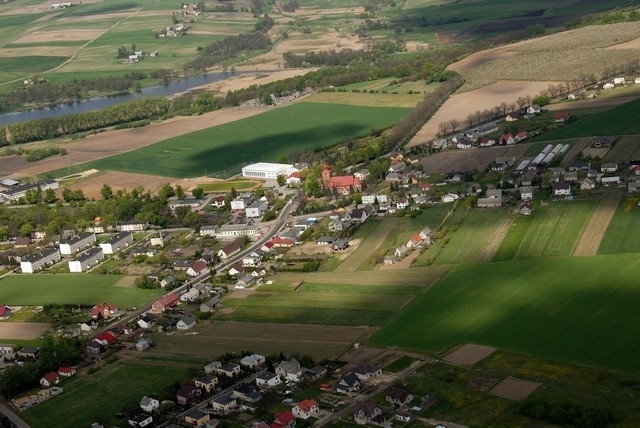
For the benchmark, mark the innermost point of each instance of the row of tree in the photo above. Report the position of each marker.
(227, 48)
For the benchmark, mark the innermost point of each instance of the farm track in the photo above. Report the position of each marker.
(367, 247)
(598, 223)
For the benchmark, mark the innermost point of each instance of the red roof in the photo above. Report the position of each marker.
(284, 418)
(65, 370)
(281, 241)
(561, 115)
(416, 239)
(295, 175)
(3, 310)
(170, 299)
(51, 377)
(506, 136)
(107, 336)
(344, 181)
(199, 266)
(306, 405)
(521, 134)
(269, 245)
(99, 309)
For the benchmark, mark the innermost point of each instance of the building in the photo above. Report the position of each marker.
(77, 243)
(207, 382)
(526, 193)
(13, 193)
(198, 268)
(117, 242)
(253, 361)
(228, 231)
(241, 202)
(190, 203)
(230, 249)
(197, 418)
(224, 404)
(268, 170)
(186, 322)
(166, 302)
(342, 184)
(86, 260)
(256, 209)
(149, 405)
(561, 188)
(47, 257)
(365, 412)
(306, 409)
(268, 380)
(133, 226)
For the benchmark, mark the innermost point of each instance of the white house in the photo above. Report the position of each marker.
(134, 226)
(256, 209)
(618, 81)
(289, 370)
(77, 243)
(149, 405)
(32, 264)
(117, 242)
(186, 322)
(450, 197)
(608, 85)
(268, 380)
(306, 409)
(561, 188)
(608, 167)
(86, 260)
(533, 109)
(526, 193)
(252, 361)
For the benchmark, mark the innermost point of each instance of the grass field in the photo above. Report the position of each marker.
(99, 397)
(555, 229)
(226, 186)
(577, 310)
(623, 234)
(78, 289)
(368, 246)
(222, 150)
(512, 240)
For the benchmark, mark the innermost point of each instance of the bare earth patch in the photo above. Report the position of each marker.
(51, 36)
(596, 227)
(468, 355)
(40, 50)
(460, 105)
(126, 282)
(624, 150)
(575, 150)
(241, 294)
(246, 80)
(632, 44)
(515, 389)
(119, 180)
(22, 330)
(493, 244)
(470, 159)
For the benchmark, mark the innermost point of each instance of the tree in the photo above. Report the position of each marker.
(4, 232)
(106, 192)
(454, 124)
(49, 196)
(179, 192)
(282, 180)
(198, 192)
(26, 230)
(166, 191)
(67, 194)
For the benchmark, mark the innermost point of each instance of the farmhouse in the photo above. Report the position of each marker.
(198, 268)
(618, 80)
(187, 394)
(86, 260)
(587, 184)
(66, 371)
(561, 188)
(186, 322)
(268, 170)
(252, 361)
(526, 193)
(608, 85)
(149, 405)
(47, 257)
(8, 351)
(349, 383)
(229, 370)
(117, 242)
(219, 201)
(561, 116)
(365, 412)
(207, 382)
(49, 379)
(489, 202)
(294, 179)
(344, 185)
(289, 370)
(197, 418)
(77, 243)
(133, 226)
(147, 321)
(367, 371)
(395, 395)
(608, 167)
(5, 312)
(533, 109)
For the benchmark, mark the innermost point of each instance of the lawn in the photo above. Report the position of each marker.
(226, 186)
(222, 150)
(77, 289)
(99, 397)
(578, 310)
(555, 228)
(623, 233)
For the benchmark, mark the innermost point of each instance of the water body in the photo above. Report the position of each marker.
(85, 105)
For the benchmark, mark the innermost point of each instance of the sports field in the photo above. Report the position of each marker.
(577, 310)
(77, 289)
(222, 150)
(100, 396)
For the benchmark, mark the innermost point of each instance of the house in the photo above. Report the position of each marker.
(198, 268)
(149, 405)
(88, 325)
(49, 379)
(512, 117)
(143, 344)
(533, 109)
(402, 203)
(107, 338)
(571, 176)
(618, 80)
(197, 418)
(244, 282)
(507, 139)
(134, 226)
(361, 174)
(608, 167)
(141, 420)
(94, 348)
(633, 186)
(526, 193)
(187, 394)
(103, 310)
(395, 395)
(315, 373)
(340, 244)
(66, 372)
(598, 142)
(247, 393)
(489, 202)
(186, 322)
(219, 201)
(22, 242)
(450, 197)
(343, 185)
(34, 263)
(166, 302)
(252, 361)
(268, 380)
(561, 116)
(572, 97)
(367, 371)
(520, 136)
(414, 241)
(400, 251)
(608, 85)
(325, 240)
(289, 370)
(147, 321)
(294, 179)
(393, 177)
(526, 208)
(426, 235)
(587, 184)
(210, 304)
(464, 144)
(117, 242)
(364, 412)
(77, 243)
(167, 281)
(230, 249)
(87, 260)
(349, 383)
(207, 382)
(229, 370)
(256, 209)
(561, 188)
(306, 409)
(181, 264)
(224, 404)
(212, 367)
(397, 166)
(5, 312)
(284, 420)
(607, 181)
(252, 260)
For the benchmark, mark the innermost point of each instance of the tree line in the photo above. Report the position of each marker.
(227, 48)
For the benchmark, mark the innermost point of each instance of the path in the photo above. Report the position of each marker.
(367, 247)
(596, 227)
(15, 419)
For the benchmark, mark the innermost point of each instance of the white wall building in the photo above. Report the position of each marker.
(134, 226)
(86, 260)
(117, 242)
(36, 262)
(267, 170)
(256, 209)
(77, 243)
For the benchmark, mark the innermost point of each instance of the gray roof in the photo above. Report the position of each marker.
(89, 254)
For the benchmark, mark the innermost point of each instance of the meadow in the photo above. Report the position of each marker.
(577, 310)
(100, 396)
(221, 151)
(623, 234)
(226, 186)
(75, 289)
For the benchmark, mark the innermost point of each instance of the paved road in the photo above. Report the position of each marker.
(15, 419)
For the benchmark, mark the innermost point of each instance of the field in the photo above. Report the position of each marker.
(367, 99)
(477, 239)
(222, 150)
(559, 308)
(596, 228)
(623, 234)
(100, 396)
(470, 159)
(423, 277)
(76, 289)
(226, 186)
(626, 149)
(555, 229)
(22, 330)
(367, 247)
(320, 342)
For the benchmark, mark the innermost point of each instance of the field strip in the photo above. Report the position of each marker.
(598, 223)
(575, 150)
(422, 276)
(496, 238)
(367, 247)
(22, 330)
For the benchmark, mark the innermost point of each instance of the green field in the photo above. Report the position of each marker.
(555, 228)
(620, 120)
(221, 150)
(98, 397)
(578, 310)
(226, 186)
(76, 289)
(623, 233)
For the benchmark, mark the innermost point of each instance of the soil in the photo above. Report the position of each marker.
(50, 36)
(22, 330)
(468, 355)
(469, 159)
(515, 389)
(596, 227)
(126, 282)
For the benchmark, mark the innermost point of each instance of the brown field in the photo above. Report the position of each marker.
(480, 58)
(596, 227)
(50, 36)
(468, 355)
(515, 389)
(631, 44)
(41, 50)
(367, 247)
(595, 102)
(246, 80)
(498, 235)
(126, 282)
(460, 105)
(120, 180)
(575, 150)
(22, 330)
(626, 149)
(470, 159)
(423, 276)
(42, 7)
(211, 340)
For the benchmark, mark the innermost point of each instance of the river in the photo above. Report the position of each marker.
(89, 104)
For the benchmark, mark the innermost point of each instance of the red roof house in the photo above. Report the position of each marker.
(5, 312)
(282, 242)
(107, 338)
(66, 371)
(561, 116)
(284, 420)
(166, 302)
(198, 268)
(49, 379)
(104, 309)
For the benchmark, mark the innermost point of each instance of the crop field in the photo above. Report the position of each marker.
(318, 341)
(100, 396)
(77, 289)
(470, 159)
(555, 229)
(596, 228)
(561, 308)
(321, 304)
(367, 99)
(222, 150)
(626, 149)
(623, 233)
(367, 247)
(478, 237)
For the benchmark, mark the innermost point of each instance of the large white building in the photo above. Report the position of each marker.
(86, 260)
(228, 231)
(36, 262)
(77, 243)
(117, 242)
(267, 170)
